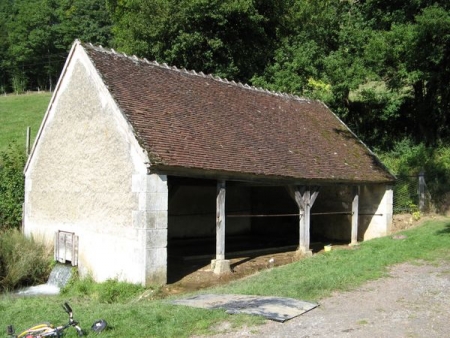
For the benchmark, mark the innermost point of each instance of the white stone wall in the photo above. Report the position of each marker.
(378, 200)
(375, 212)
(81, 178)
(150, 220)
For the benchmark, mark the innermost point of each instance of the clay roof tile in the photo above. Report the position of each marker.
(186, 119)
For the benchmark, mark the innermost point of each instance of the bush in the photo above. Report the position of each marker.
(23, 261)
(12, 162)
(407, 160)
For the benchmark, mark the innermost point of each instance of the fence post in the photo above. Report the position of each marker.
(28, 141)
(422, 191)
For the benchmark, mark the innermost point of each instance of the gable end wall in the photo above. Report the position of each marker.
(82, 179)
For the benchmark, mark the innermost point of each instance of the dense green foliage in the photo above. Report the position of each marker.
(12, 162)
(17, 112)
(35, 36)
(23, 261)
(407, 161)
(382, 66)
(138, 314)
(230, 38)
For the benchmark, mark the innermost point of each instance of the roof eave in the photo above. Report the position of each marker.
(259, 179)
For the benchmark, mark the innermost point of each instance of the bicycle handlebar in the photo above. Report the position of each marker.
(67, 308)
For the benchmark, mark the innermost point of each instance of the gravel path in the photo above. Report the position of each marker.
(414, 301)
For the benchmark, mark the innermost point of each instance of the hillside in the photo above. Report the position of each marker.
(17, 112)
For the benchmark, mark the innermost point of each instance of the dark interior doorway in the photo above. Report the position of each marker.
(258, 219)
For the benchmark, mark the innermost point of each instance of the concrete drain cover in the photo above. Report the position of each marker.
(275, 308)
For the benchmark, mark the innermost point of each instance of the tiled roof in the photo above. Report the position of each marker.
(191, 122)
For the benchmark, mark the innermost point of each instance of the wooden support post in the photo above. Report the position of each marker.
(305, 198)
(422, 191)
(220, 265)
(355, 211)
(305, 222)
(220, 220)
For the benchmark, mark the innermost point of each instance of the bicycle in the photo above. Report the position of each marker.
(47, 329)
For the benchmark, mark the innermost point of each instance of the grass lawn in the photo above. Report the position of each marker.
(17, 112)
(130, 314)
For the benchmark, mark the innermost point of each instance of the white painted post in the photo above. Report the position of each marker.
(355, 211)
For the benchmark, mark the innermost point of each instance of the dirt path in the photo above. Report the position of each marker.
(414, 301)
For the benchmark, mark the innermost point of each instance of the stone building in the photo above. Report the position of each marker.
(135, 160)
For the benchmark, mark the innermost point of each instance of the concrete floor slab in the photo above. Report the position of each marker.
(275, 308)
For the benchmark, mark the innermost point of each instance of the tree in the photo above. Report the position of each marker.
(31, 46)
(5, 12)
(38, 34)
(324, 56)
(234, 39)
(310, 34)
(86, 20)
(415, 63)
(382, 66)
(382, 15)
(429, 67)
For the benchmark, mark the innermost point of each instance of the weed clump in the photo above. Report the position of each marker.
(23, 261)
(110, 291)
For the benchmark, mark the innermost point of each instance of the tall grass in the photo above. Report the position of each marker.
(23, 261)
(137, 314)
(108, 292)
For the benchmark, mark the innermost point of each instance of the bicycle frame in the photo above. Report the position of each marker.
(46, 329)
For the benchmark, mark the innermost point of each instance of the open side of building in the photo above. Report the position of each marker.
(135, 159)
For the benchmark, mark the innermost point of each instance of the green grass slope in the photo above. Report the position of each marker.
(17, 112)
(131, 312)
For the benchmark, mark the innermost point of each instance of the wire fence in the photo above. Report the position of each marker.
(411, 194)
